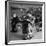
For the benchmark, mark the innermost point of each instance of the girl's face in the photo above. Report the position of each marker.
(14, 15)
(29, 14)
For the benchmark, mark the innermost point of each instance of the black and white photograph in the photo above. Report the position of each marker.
(24, 22)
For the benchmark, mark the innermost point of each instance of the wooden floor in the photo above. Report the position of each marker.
(19, 35)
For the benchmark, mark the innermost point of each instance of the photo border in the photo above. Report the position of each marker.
(6, 34)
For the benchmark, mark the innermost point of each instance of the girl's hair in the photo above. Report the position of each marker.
(28, 12)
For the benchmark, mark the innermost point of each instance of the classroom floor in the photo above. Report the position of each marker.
(19, 35)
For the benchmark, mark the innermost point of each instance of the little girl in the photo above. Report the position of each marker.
(29, 34)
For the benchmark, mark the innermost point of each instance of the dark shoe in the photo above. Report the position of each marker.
(24, 39)
(30, 37)
(13, 31)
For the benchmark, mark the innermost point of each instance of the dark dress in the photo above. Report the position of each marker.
(25, 26)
